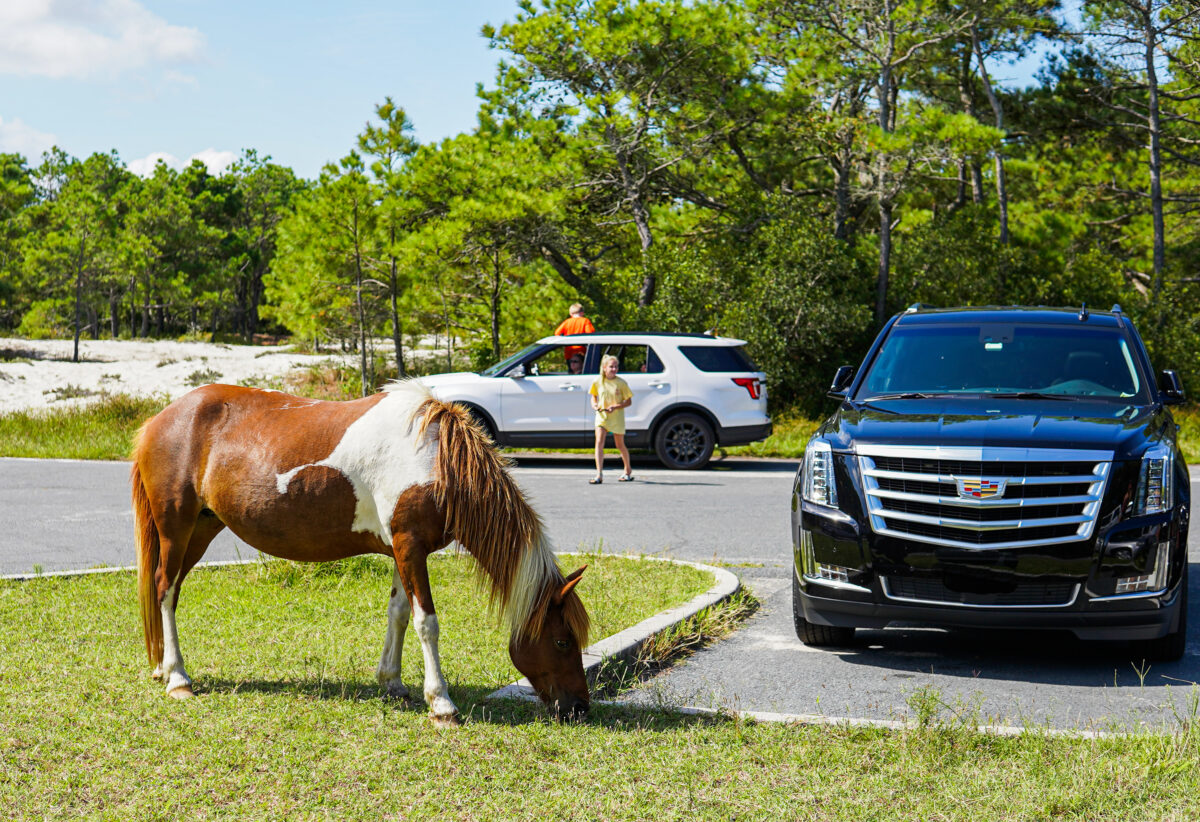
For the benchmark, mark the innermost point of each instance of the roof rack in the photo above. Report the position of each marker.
(918, 307)
(1119, 314)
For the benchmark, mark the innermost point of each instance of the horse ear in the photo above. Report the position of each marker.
(571, 581)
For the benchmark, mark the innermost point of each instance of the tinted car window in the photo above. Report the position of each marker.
(634, 359)
(1080, 362)
(718, 358)
(557, 360)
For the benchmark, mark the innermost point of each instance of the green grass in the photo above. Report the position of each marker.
(289, 723)
(104, 429)
(788, 439)
(101, 430)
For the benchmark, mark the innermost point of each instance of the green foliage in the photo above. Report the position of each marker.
(781, 170)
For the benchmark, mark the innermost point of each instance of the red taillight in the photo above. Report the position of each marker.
(751, 384)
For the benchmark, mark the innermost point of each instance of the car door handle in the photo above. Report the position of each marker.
(658, 384)
(568, 387)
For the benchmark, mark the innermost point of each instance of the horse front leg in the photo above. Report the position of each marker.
(398, 612)
(411, 553)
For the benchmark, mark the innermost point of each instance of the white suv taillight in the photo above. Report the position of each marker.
(751, 384)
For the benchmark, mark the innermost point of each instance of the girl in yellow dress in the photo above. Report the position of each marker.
(611, 395)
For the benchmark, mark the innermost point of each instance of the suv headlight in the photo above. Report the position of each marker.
(817, 484)
(1156, 491)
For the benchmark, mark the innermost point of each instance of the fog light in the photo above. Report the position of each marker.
(1156, 581)
(832, 573)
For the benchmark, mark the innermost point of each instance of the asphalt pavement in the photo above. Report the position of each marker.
(60, 515)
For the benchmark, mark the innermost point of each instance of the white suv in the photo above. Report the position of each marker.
(691, 392)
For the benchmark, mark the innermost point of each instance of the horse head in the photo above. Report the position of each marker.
(552, 657)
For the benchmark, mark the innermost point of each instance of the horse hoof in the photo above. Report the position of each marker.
(182, 692)
(156, 676)
(445, 720)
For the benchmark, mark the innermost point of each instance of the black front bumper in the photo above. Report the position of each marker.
(1092, 611)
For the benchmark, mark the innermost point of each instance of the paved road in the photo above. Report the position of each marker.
(63, 515)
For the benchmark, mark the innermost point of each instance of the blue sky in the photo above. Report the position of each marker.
(296, 81)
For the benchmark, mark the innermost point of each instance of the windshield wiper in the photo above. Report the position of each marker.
(910, 395)
(1027, 395)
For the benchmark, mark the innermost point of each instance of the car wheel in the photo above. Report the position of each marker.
(810, 633)
(684, 442)
(1171, 647)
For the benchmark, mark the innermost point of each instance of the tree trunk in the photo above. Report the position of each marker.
(842, 172)
(114, 307)
(967, 99)
(885, 199)
(1156, 195)
(641, 220)
(885, 258)
(395, 288)
(362, 316)
(495, 305)
(997, 109)
(78, 294)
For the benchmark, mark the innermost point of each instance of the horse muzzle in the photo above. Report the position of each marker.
(569, 709)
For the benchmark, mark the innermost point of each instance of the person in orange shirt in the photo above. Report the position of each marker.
(577, 323)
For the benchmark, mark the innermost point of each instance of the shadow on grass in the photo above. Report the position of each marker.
(472, 702)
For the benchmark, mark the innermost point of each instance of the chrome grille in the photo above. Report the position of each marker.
(1045, 496)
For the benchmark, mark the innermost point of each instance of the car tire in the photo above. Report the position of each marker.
(684, 442)
(1169, 648)
(816, 636)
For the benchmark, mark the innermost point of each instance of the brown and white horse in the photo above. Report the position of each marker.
(398, 473)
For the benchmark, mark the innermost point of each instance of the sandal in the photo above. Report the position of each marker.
(595, 480)
(625, 478)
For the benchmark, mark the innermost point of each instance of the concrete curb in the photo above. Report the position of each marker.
(625, 645)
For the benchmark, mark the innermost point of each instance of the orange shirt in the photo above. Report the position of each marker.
(574, 325)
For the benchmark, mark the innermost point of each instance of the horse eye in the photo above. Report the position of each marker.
(562, 644)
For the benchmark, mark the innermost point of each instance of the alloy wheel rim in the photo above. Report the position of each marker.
(686, 443)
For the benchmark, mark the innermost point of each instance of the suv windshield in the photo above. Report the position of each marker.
(1003, 359)
(493, 370)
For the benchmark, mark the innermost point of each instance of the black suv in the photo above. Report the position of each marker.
(997, 467)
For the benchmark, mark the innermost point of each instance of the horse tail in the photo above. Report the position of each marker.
(146, 536)
(483, 505)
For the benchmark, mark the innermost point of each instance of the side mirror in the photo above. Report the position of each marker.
(516, 372)
(1171, 387)
(841, 381)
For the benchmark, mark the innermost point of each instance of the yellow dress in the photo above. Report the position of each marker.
(611, 392)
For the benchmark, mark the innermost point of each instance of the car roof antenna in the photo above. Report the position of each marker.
(1083, 313)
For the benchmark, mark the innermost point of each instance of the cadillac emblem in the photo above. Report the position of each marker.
(980, 488)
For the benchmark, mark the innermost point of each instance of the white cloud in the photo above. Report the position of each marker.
(215, 161)
(18, 138)
(82, 38)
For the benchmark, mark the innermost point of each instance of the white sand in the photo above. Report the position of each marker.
(32, 370)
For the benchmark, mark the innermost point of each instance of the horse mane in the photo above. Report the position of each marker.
(488, 514)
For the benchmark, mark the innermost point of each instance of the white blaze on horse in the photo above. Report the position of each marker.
(398, 473)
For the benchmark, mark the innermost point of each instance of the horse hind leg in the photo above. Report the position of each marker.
(173, 567)
(398, 612)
